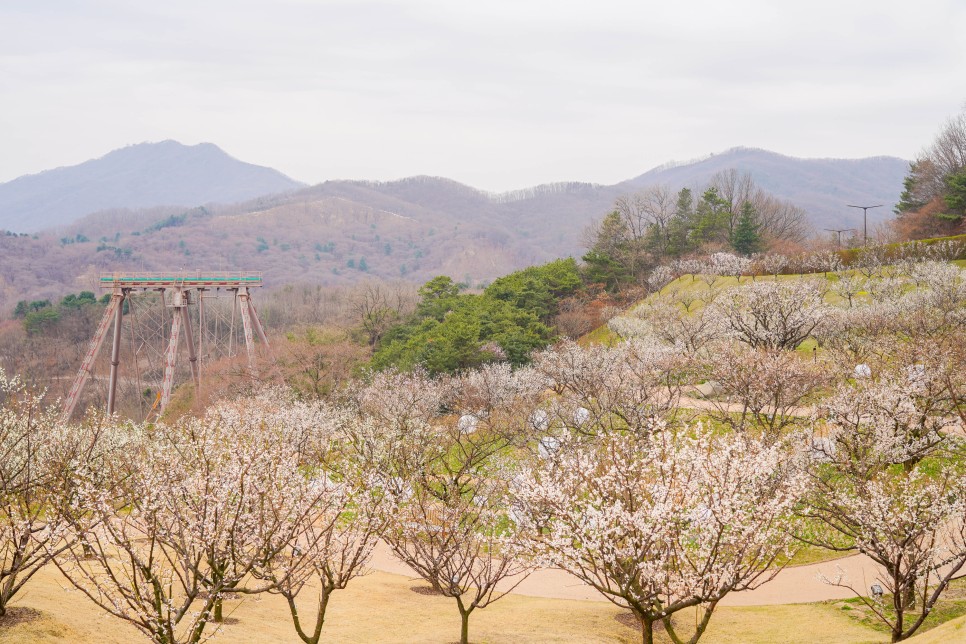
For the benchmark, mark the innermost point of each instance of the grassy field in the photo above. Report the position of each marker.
(952, 631)
(382, 607)
(951, 607)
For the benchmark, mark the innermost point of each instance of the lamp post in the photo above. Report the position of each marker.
(839, 232)
(865, 223)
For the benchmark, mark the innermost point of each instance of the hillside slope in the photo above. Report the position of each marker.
(413, 228)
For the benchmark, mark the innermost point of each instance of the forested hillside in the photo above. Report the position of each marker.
(340, 232)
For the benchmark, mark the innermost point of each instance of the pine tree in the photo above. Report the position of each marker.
(711, 218)
(679, 226)
(746, 237)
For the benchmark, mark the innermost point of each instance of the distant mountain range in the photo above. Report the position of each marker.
(338, 232)
(822, 187)
(138, 176)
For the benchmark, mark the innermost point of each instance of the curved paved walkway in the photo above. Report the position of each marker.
(793, 585)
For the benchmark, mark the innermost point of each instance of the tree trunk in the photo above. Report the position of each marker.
(5, 594)
(218, 618)
(897, 605)
(465, 621)
(316, 634)
(465, 629)
(647, 631)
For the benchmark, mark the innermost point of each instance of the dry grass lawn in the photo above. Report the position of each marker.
(952, 631)
(382, 607)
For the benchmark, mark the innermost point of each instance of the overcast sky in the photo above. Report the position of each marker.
(496, 94)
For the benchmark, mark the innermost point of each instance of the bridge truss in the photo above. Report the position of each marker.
(149, 314)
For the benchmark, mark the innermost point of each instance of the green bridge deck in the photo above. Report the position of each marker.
(181, 279)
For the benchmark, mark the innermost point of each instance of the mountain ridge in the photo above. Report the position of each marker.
(413, 228)
(142, 175)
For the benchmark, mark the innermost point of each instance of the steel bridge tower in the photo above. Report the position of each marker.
(179, 291)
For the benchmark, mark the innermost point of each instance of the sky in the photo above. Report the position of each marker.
(497, 94)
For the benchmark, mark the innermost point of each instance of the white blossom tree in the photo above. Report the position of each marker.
(333, 547)
(763, 388)
(911, 525)
(660, 277)
(663, 521)
(825, 262)
(848, 285)
(773, 263)
(440, 469)
(37, 454)
(464, 544)
(24, 526)
(620, 387)
(673, 320)
(193, 509)
(886, 486)
(341, 525)
(26, 474)
(730, 265)
(872, 260)
(772, 315)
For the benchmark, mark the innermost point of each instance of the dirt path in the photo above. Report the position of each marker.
(793, 585)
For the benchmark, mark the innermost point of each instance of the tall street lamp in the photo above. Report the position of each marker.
(865, 223)
(839, 232)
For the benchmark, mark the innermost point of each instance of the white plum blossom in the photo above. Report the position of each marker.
(194, 510)
(660, 277)
(468, 423)
(772, 315)
(663, 521)
(729, 264)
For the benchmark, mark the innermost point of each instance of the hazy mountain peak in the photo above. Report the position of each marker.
(822, 186)
(136, 176)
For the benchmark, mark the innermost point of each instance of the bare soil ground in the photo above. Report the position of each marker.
(382, 607)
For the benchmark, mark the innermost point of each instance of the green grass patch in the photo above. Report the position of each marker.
(813, 555)
(950, 606)
(600, 335)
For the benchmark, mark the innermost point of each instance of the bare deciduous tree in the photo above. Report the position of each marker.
(764, 388)
(377, 306)
(778, 219)
(652, 206)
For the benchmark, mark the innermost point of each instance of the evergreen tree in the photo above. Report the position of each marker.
(955, 196)
(910, 200)
(679, 226)
(610, 261)
(746, 237)
(711, 218)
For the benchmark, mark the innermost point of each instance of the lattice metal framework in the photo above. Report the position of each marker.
(163, 309)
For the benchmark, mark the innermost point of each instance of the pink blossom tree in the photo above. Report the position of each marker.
(764, 389)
